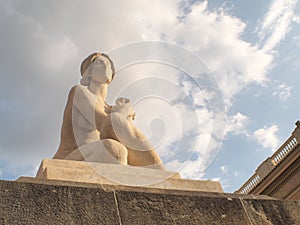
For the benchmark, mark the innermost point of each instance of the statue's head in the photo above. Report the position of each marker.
(97, 63)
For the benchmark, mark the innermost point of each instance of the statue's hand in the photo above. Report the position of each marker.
(124, 107)
(122, 101)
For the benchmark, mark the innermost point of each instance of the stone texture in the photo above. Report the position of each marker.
(178, 209)
(274, 212)
(120, 174)
(28, 203)
(38, 201)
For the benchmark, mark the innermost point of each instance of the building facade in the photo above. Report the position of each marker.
(279, 175)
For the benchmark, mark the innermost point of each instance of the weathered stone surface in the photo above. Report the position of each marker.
(265, 212)
(29, 203)
(179, 209)
(57, 202)
(120, 174)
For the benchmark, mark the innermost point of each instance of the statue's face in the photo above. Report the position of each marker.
(101, 70)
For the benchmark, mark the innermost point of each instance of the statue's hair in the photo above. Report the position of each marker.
(85, 67)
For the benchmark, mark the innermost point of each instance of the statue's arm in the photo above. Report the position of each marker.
(85, 103)
(140, 151)
(128, 134)
(143, 153)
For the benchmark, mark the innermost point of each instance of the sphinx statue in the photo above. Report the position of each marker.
(94, 131)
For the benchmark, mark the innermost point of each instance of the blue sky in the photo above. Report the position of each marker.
(250, 47)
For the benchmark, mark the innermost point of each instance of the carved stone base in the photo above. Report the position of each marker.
(78, 171)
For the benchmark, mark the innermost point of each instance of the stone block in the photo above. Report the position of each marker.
(40, 201)
(78, 171)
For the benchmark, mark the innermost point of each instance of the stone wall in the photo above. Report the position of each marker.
(35, 201)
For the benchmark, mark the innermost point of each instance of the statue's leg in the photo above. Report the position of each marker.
(149, 159)
(102, 151)
(116, 149)
(140, 151)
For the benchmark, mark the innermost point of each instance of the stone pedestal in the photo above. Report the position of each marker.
(41, 201)
(113, 174)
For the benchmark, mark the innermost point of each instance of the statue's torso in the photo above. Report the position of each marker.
(78, 130)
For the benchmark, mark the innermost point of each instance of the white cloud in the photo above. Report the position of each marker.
(283, 92)
(188, 170)
(277, 23)
(193, 170)
(234, 62)
(216, 38)
(217, 179)
(224, 169)
(237, 124)
(267, 137)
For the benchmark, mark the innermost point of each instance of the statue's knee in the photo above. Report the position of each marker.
(116, 150)
(123, 154)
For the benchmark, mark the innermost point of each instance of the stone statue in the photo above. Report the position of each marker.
(96, 132)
